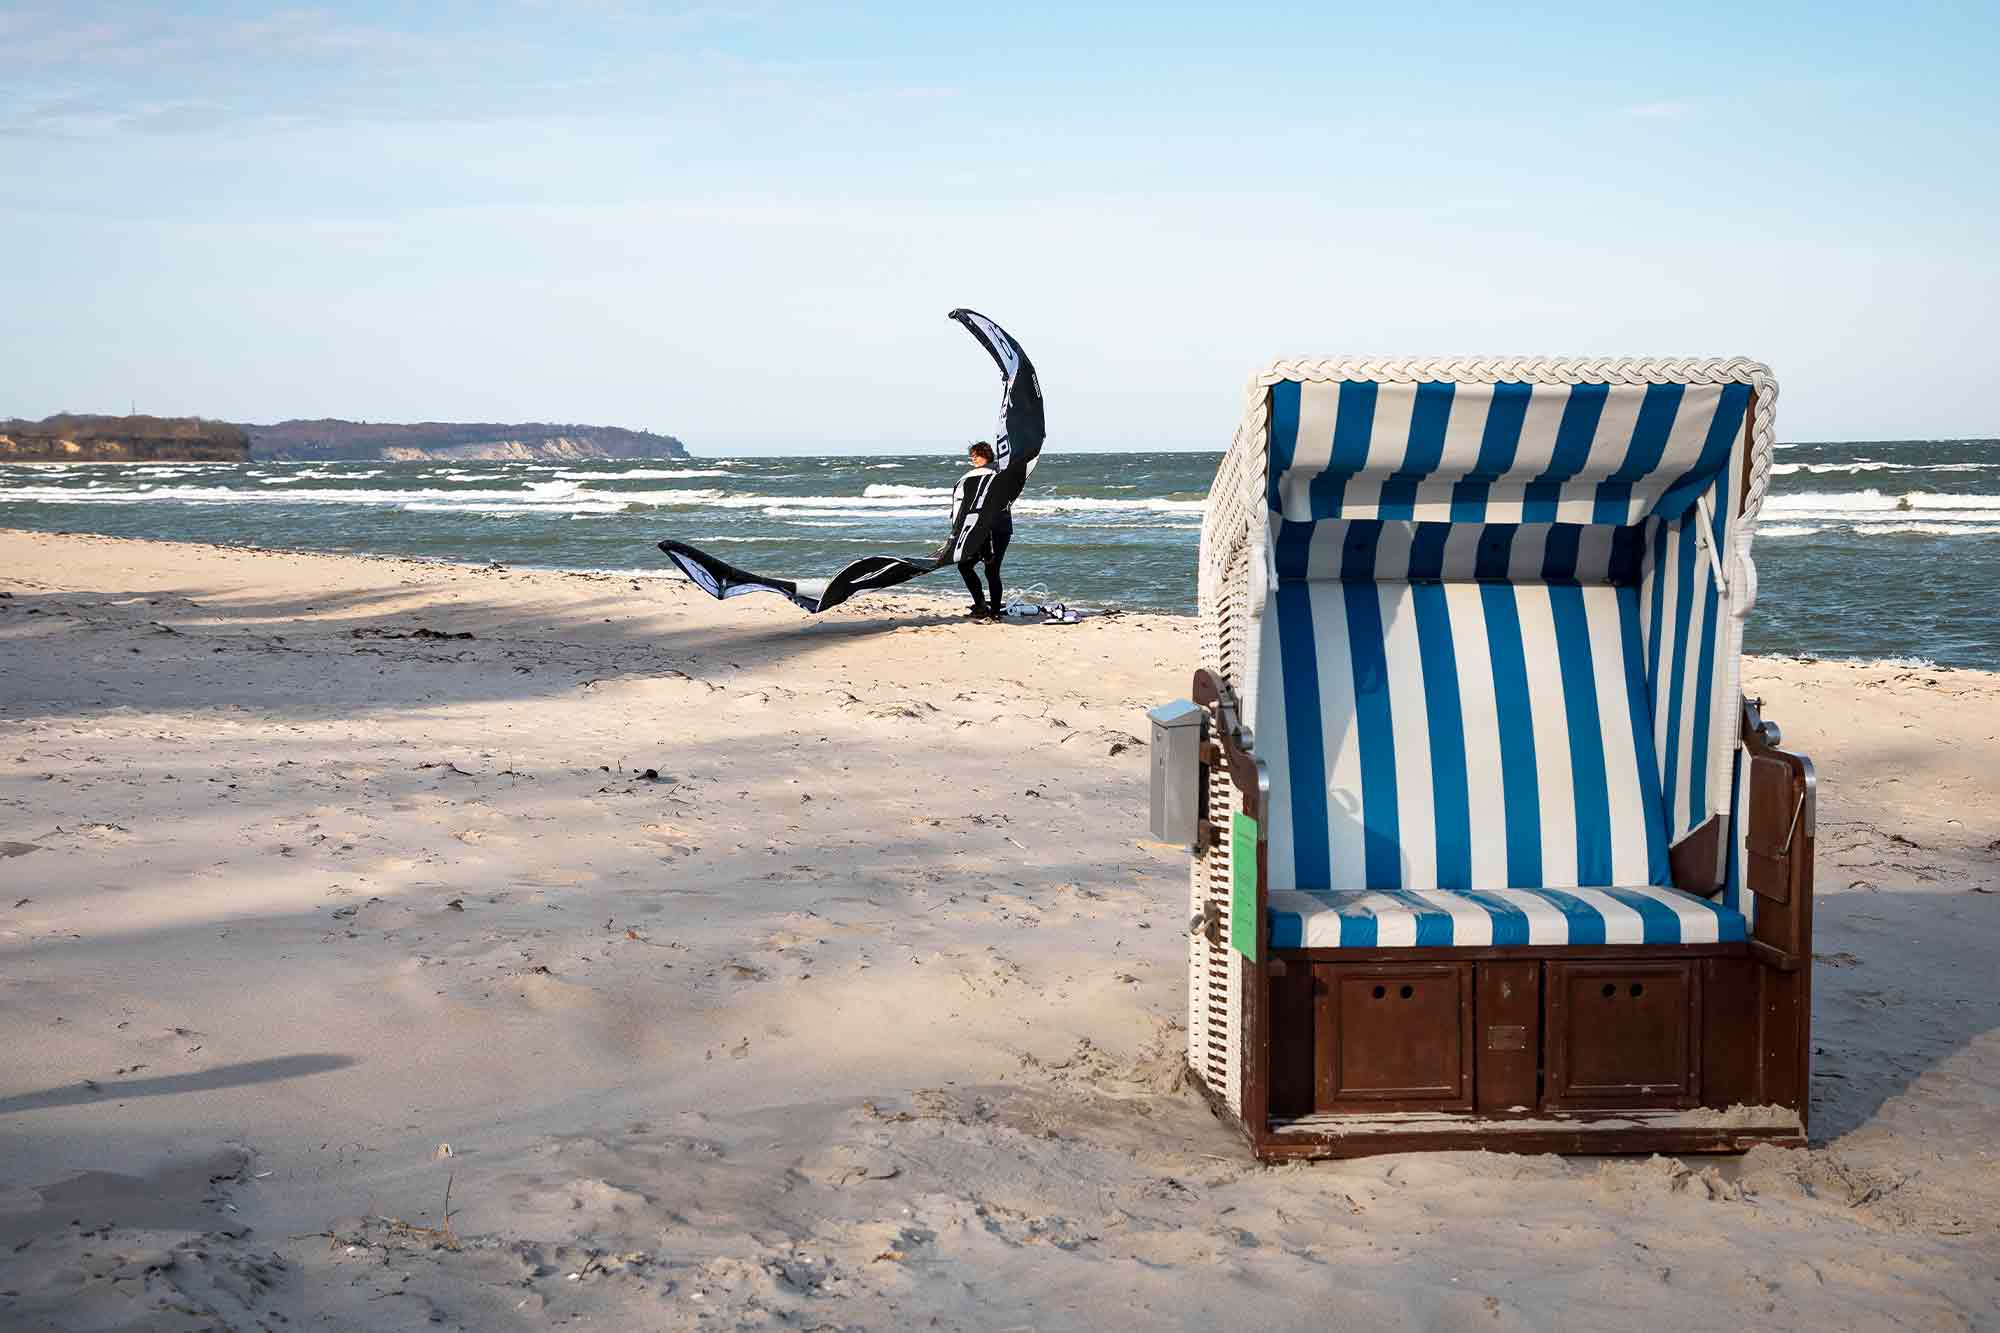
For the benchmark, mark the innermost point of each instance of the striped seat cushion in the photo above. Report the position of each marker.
(1367, 919)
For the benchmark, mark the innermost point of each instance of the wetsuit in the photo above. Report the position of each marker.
(970, 498)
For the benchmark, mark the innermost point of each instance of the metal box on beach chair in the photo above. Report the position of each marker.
(1175, 745)
(1491, 852)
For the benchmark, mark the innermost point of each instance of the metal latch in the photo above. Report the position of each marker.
(1207, 923)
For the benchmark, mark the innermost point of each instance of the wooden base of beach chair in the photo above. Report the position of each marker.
(1577, 1051)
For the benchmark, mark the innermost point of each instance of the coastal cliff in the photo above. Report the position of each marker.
(68, 438)
(329, 439)
(72, 438)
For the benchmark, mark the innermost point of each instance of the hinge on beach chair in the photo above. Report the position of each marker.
(1232, 719)
(1207, 923)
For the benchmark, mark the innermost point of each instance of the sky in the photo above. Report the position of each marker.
(744, 224)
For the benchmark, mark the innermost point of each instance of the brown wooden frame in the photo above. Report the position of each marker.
(1765, 981)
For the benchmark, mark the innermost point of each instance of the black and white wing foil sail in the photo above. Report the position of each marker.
(1017, 443)
(1017, 446)
(720, 579)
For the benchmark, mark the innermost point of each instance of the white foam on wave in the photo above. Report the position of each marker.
(1792, 469)
(563, 492)
(876, 490)
(898, 494)
(224, 495)
(315, 474)
(1851, 504)
(1112, 506)
(799, 503)
(1875, 465)
(1931, 529)
(785, 511)
(779, 539)
(694, 495)
(648, 474)
(1789, 530)
(503, 510)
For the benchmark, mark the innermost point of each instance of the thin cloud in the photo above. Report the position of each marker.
(129, 71)
(1670, 109)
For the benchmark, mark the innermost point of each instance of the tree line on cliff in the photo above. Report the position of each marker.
(69, 435)
(335, 439)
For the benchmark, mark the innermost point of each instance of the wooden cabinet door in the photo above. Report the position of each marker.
(1622, 1035)
(1392, 1037)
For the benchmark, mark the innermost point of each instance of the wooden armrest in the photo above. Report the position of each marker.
(1231, 742)
(1778, 845)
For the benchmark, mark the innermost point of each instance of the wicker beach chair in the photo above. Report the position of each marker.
(1489, 850)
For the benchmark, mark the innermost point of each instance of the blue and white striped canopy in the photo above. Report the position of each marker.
(1497, 453)
(1493, 649)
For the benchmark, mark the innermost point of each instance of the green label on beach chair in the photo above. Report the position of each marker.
(1243, 885)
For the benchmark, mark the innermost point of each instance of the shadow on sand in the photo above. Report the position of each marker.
(206, 1080)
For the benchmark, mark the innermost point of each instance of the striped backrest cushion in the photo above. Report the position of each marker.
(1608, 454)
(1500, 644)
(1458, 735)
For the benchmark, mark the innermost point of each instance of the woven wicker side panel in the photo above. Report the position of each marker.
(1225, 982)
(1236, 629)
(1198, 1020)
(1215, 970)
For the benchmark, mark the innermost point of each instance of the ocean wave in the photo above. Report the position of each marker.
(1874, 501)
(1791, 469)
(721, 500)
(1874, 465)
(1790, 530)
(503, 510)
(225, 495)
(1112, 506)
(1931, 529)
(892, 491)
(785, 511)
(647, 474)
(780, 539)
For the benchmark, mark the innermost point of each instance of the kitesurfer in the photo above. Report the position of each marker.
(969, 500)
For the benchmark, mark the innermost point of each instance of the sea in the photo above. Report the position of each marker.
(1885, 550)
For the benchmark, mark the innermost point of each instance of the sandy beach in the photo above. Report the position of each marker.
(685, 947)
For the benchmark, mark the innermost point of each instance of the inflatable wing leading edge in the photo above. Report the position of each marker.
(1018, 445)
(718, 578)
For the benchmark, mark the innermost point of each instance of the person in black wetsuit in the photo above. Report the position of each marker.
(968, 506)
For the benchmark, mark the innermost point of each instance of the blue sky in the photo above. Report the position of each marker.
(744, 224)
